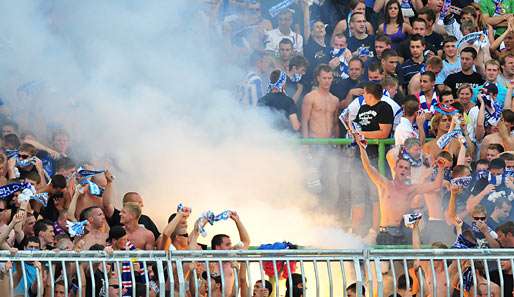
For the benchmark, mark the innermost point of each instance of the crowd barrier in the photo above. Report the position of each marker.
(323, 272)
(381, 143)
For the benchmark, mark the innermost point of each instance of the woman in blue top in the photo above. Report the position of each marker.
(394, 26)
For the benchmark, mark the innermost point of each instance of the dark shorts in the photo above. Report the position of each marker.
(394, 236)
(438, 230)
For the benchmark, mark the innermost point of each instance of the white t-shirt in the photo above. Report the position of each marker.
(273, 38)
(403, 131)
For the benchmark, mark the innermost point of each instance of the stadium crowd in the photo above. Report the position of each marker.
(437, 76)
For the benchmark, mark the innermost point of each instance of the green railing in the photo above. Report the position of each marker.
(344, 141)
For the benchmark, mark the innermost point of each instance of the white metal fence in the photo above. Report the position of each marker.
(234, 273)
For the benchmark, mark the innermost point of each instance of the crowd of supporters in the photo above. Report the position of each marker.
(436, 76)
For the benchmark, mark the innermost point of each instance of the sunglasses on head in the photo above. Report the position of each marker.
(479, 218)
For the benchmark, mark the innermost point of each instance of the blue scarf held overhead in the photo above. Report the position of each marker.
(8, 190)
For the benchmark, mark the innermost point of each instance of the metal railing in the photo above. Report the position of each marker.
(381, 143)
(234, 273)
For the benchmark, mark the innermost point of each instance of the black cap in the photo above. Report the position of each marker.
(491, 88)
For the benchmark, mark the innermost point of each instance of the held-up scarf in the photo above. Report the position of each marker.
(276, 9)
(279, 84)
(8, 190)
(212, 218)
(446, 138)
(425, 105)
(463, 181)
(76, 228)
(343, 66)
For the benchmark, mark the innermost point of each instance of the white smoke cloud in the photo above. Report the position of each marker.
(147, 83)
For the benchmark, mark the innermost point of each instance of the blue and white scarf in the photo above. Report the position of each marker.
(413, 162)
(84, 173)
(94, 189)
(279, 84)
(11, 153)
(181, 208)
(212, 218)
(480, 38)
(463, 181)
(463, 243)
(444, 10)
(482, 174)
(25, 162)
(425, 105)
(76, 228)
(446, 138)
(8, 190)
(343, 66)
(447, 175)
(493, 112)
(278, 8)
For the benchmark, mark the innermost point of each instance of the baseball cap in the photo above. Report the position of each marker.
(491, 88)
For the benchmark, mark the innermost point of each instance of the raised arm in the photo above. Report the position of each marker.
(372, 172)
(436, 184)
(108, 207)
(243, 234)
(73, 204)
(306, 20)
(306, 114)
(480, 128)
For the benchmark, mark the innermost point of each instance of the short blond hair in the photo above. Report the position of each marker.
(133, 208)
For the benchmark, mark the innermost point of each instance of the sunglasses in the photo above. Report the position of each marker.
(24, 157)
(183, 235)
(118, 286)
(2, 209)
(479, 218)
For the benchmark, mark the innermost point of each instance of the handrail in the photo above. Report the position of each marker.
(345, 141)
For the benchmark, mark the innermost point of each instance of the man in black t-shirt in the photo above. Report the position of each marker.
(360, 40)
(374, 120)
(431, 37)
(467, 75)
(277, 100)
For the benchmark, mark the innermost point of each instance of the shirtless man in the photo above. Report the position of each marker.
(96, 224)
(395, 196)
(320, 112)
(223, 242)
(86, 199)
(142, 238)
(320, 107)
(436, 227)
(502, 136)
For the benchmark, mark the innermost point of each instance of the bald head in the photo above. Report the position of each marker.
(133, 197)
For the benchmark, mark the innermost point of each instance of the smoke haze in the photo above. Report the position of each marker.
(143, 83)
